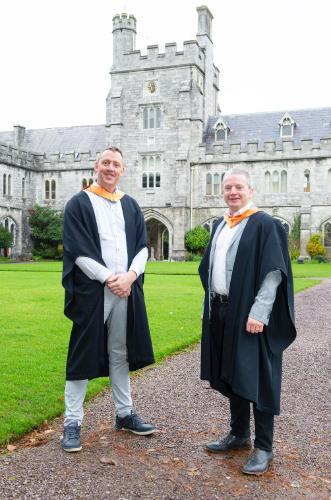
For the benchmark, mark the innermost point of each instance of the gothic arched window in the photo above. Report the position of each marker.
(209, 180)
(275, 182)
(267, 182)
(84, 183)
(327, 234)
(53, 190)
(151, 180)
(144, 180)
(23, 187)
(9, 185)
(286, 125)
(47, 190)
(216, 184)
(90, 181)
(283, 181)
(4, 184)
(306, 186)
(157, 180)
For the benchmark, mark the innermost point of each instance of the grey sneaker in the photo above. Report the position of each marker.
(71, 438)
(134, 423)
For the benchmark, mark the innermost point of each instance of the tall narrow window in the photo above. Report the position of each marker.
(90, 181)
(151, 162)
(151, 118)
(7, 224)
(216, 184)
(329, 179)
(158, 118)
(275, 182)
(306, 186)
(151, 180)
(9, 185)
(47, 190)
(283, 181)
(53, 190)
(327, 234)
(145, 117)
(209, 180)
(267, 182)
(157, 162)
(12, 231)
(84, 183)
(144, 162)
(144, 181)
(157, 180)
(4, 184)
(23, 187)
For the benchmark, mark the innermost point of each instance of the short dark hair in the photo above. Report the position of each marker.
(114, 149)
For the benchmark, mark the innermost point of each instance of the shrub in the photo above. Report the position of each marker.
(46, 231)
(320, 258)
(315, 246)
(6, 239)
(197, 239)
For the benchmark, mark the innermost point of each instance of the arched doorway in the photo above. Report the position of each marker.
(157, 240)
(159, 235)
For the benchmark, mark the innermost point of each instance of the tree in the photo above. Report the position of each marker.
(46, 227)
(6, 239)
(197, 239)
(294, 238)
(315, 245)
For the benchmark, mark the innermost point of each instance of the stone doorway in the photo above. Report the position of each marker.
(157, 240)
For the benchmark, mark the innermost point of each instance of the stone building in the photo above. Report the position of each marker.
(162, 111)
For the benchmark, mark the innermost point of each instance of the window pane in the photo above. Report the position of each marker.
(23, 188)
(47, 190)
(158, 118)
(208, 184)
(327, 234)
(151, 180)
(9, 185)
(157, 180)
(306, 186)
(4, 184)
(275, 182)
(90, 181)
(151, 117)
(283, 181)
(144, 181)
(220, 134)
(216, 184)
(267, 178)
(145, 118)
(84, 183)
(287, 131)
(53, 190)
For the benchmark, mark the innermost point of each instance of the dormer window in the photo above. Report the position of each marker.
(286, 125)
(221, 130)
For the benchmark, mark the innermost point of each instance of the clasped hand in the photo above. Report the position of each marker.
(120, 284)
(254, 326)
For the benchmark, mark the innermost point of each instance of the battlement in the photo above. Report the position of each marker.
(36, 161)
(192, 53)
(253, 150)
(123, 21)
(19, 158)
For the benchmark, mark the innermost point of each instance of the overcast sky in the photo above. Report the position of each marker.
(56, 54)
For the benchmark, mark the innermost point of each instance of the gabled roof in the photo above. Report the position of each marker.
(310, 124)
(80, 139)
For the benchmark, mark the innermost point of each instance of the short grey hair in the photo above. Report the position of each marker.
(238, 171)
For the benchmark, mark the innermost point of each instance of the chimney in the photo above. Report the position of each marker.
(19, 133)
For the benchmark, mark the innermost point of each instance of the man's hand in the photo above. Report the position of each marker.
(120, 284)
(254, 326)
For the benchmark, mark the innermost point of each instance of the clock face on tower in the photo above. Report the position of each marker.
(151, 87)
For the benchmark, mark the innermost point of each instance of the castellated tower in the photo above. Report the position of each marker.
(157, 109)
(124, 35)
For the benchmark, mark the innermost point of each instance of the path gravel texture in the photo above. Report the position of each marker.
(173, 464)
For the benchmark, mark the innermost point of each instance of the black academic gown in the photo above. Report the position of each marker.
(84, 298)
(251, 364)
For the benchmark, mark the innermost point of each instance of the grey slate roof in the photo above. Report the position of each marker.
(81, 139)
(310, 124)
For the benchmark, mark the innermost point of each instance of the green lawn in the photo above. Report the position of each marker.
(34, 333)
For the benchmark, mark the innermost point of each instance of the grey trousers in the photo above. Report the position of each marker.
(75, 390)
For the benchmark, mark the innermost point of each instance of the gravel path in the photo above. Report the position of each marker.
(173, 464)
